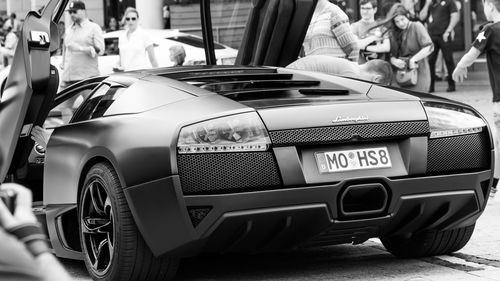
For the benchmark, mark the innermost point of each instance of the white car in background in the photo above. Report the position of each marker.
(163, 40)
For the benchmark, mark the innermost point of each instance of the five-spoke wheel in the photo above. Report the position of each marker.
(97, 226)
(112, 246)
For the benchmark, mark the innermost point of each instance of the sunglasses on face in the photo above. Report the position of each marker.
(72, 12)
(130, 19)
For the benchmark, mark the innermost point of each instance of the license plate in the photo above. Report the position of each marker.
(355, 159)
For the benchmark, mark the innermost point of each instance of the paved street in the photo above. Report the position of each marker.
(479, 260)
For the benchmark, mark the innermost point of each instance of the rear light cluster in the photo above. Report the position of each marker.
(236, 133)
(447, 120)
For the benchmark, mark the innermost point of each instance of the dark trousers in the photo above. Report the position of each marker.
(439, 44)
(166, 23)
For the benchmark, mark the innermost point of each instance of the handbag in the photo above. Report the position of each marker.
(407, 77)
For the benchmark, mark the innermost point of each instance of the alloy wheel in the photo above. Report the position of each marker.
(97, 226)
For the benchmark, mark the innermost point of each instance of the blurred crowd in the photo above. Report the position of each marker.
(9, 34)
(11, 27)
(410, 40)
(406, 47)
(413, 37)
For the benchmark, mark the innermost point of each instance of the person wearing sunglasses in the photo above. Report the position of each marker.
(83, 42)
(135, 46)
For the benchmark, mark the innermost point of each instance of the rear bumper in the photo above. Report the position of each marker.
(178, 225)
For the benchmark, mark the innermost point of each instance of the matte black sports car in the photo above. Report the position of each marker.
(147, 167)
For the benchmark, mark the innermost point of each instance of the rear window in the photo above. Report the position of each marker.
(98, 103)
(193, 41)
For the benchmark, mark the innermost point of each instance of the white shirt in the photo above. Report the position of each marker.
(80, 65)
(133, 53)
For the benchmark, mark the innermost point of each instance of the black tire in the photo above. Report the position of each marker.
(112, 246)
(428, 243)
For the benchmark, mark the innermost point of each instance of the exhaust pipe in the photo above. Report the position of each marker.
(363, 200)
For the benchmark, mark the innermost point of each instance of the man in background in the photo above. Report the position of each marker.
(441, 17)
(372, 44)
(83, 42)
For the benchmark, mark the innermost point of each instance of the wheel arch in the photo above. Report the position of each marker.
(86, 168)
(68, 232)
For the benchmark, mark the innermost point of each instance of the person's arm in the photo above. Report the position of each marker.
(383, 47)
(98, 40)
(89, 50)
(363, 43)
(40, 136)
(151, 55)
(50, 267)
(398, 63)
(63, 55)
(118, 67)
(424, 13)
(454, 19)
(423, 53)
(460, 72)
(23, 225)
(479, 46)
(346, 39)
(341, 30)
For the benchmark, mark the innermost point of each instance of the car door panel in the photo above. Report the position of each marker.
(275, 32)
(30, 87)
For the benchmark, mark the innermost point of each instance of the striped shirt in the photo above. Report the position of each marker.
(330, 33)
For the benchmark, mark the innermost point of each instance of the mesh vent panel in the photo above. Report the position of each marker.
(346, 133)
(458, 154)
(197, 214)
(213, 173)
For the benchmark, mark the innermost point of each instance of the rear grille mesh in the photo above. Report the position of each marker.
(216, 173)
(346, 133)
(458, 154)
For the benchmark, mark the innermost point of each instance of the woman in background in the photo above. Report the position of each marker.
(135, 46)
(410, 45)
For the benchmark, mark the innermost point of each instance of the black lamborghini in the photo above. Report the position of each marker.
(147, 167)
